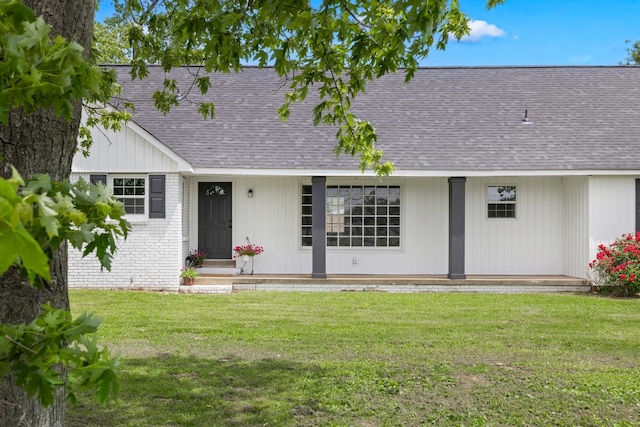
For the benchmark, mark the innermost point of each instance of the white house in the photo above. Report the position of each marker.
(499, 171)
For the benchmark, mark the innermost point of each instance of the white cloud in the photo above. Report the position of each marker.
(480, 29)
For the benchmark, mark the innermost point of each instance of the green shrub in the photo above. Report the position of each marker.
(617, 266)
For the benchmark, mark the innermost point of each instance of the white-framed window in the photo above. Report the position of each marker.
(132, 191)
(356, 215)
(501, 201)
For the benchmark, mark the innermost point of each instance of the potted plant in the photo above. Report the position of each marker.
(247, 252)
(188, 275)
(196, 258)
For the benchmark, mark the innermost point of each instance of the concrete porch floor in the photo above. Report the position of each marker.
(208, 283)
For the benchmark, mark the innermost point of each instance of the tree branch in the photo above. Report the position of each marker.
(19, 344)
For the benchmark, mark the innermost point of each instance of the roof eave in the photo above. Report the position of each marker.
(410, 173)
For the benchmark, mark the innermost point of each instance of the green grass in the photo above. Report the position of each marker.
(367, 359)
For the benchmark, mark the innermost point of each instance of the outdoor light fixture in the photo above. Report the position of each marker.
(526, 120)
(250, 193)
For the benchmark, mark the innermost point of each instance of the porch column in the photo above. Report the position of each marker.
(637, 205)
(319, 227)
(456, 228)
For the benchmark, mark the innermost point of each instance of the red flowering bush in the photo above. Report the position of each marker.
(248, 249)
(617, 266)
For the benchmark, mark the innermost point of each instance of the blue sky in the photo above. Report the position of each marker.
(537, 32)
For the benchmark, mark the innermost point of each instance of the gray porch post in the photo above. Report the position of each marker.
(456, 228)
(637, 205)
(319, 227)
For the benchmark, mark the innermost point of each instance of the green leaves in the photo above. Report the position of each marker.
(633, 53)
(36, 217)
(34, 354)
(333, 47)
(93, 220)
(17, 245)
(37, 71)
(110, 44)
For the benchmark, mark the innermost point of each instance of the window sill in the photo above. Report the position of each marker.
(350, 249)
(132, 221)
(137, 221)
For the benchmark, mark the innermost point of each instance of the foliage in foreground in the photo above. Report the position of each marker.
(617, 266)
(38, 71)
(330, 49)
(367, 359)
(39, 215)
(36, 217)
(35, 354)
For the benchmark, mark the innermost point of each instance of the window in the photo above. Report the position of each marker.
(501, 201)
(131, 191)
(356, 216)
(215, 191)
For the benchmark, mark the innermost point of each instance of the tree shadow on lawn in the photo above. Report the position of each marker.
(170, 390)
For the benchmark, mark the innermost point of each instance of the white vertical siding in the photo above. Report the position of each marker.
(575, 191)
(125, 151)
(424, 234)
(426, 231)
(530, 244)
(272, 219)
(611, 209)
(269, 219)
(559, 224)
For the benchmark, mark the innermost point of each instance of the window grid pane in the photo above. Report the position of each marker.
(133, 206)
(306, 215)
(501, 201)
(502, 210)
(356, 216)
(131, 192)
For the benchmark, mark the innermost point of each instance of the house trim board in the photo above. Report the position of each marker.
(399, 173)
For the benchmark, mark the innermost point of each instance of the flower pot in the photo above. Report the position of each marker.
(188, 281)
(245, 258)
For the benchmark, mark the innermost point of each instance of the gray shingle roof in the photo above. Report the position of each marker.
(446, 119)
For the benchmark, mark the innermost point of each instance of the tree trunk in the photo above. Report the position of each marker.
(41, 143)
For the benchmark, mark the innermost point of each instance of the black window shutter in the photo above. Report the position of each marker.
(94, 179)
(157, 196)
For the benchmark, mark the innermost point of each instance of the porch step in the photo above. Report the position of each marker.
(206, 289)
(408, 284)
(219, 263)
(217, 271)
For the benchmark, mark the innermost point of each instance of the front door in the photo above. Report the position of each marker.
(214, 219)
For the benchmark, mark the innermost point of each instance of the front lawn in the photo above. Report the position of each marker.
(367, 359)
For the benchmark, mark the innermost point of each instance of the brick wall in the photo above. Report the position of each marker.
(150, 258)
